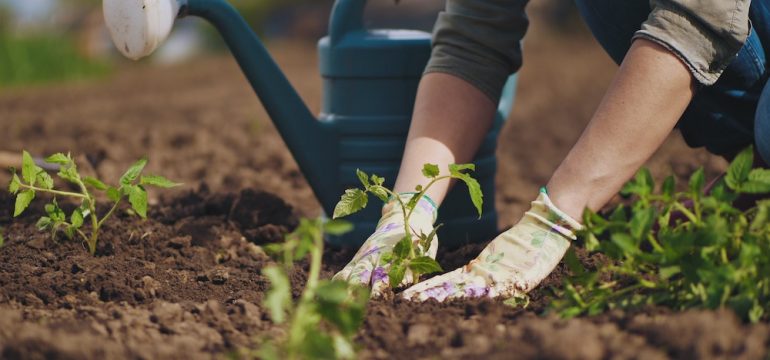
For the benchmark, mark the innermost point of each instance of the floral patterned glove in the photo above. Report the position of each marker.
(365, 268)
(513, 263)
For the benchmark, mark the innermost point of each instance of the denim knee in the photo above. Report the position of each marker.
(762, 126)
(613, 23)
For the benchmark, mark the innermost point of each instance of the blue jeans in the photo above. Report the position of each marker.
(725, 117)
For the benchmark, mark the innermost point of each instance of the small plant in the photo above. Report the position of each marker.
(680, 250)
(35, 180)
(408, 253)
(324, 320)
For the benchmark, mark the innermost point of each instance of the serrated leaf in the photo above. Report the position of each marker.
(376, 180)
(23, 199)
(379, 192)
(137, 196)
(95, 183)
(363, 177)
(755, 187)
(133, 172)
(278, 298)
(76, 219)
(697, 181)
(396, 274)
(474, 189)
(44, 180)
(338, 227)
(424, 265)
(28, 171)
(69, 173)
(159, 181)
(430, 171)
(58, 158)
(13, 188)
(352, 201)
(113, 194)
(403, 248)
(739, 169)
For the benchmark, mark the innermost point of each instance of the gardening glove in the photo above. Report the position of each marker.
(366, 268)
(513, 263)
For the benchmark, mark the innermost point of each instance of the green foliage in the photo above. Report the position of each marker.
(323, 322)
(680, 250)
(409, 253)
(34, 179)
(2, 239)
(43, 58)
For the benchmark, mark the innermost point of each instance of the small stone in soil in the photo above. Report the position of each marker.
(219, 276)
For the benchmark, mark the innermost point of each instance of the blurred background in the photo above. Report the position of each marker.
(57, 40)
(63, 87)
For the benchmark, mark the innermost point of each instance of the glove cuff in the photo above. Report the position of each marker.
(543, 210)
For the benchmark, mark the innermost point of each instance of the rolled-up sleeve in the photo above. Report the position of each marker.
(705, 34)
(479, 42)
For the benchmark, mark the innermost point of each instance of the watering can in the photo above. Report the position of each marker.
(370, 80)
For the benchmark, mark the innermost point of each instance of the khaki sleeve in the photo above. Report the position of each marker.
(479, 41)
(705, 34)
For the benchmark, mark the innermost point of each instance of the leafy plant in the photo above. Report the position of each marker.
(408, 253)
(324, 320)
(680, 250)
(35, 180)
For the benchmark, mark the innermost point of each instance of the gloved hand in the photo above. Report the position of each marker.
(513, 263)
(366, 268)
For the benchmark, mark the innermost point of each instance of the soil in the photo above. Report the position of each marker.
(186, 283)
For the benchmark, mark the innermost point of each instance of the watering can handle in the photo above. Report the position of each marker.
(347, 16)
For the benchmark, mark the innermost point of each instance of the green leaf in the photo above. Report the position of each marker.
(351, 202)
(76, 219)
(573, 263)
(642, 184)
(278, 298)
(137, 196)
(113, 194)
(159, 181)
(69, 173)
(402, 248)
(641, 222)
(95, 183)
(376, 180)
(2, 239)
(625, 243)
(396, 274)
(477, 197)
(430, 171)
(697, 181)
(44, 180)
(669, 187)
(133, 172)
(755, 187)
(23, 199)
(338, 227)
(43, 223)
(363, 178)
(58, 158)
(379, 192)
(342, 305)
(739, 169)
(413, 201)
(760, 175)
(13, 188)
(28, 168)
(424, 265)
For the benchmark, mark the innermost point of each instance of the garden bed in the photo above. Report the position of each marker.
(186, 283)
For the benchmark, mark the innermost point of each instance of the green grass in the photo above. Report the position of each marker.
(40, 59)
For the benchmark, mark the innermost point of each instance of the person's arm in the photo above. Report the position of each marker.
(476, 46)
(646, 99)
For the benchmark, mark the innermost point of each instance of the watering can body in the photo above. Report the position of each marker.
(370, 80)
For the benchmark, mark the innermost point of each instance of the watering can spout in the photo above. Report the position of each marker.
(138, 27)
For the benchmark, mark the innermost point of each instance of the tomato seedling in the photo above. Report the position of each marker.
(680, 250)
(35, 180)
(324, 320)
(409, 253)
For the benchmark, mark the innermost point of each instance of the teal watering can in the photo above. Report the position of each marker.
(370, 80)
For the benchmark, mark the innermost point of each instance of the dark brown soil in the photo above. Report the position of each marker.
(186, 284)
